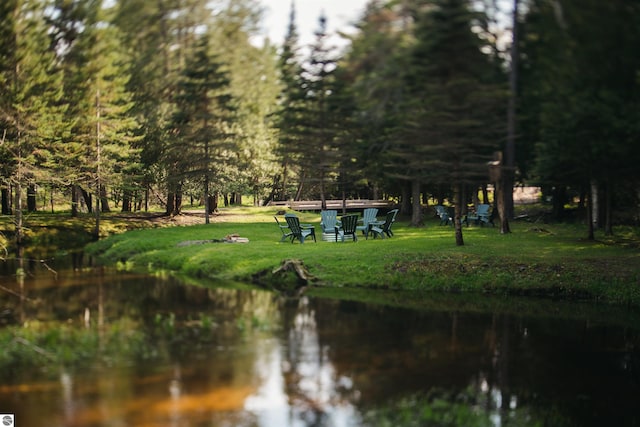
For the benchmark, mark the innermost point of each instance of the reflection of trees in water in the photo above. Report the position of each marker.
(317, 394)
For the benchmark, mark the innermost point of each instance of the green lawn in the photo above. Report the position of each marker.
(535, 259)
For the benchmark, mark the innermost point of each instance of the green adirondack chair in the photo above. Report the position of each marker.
(286, 232)
(380, 228)
(348, 227)
(299, 231)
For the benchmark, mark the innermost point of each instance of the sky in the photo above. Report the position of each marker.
(339, 14)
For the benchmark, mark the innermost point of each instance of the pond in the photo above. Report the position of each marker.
(95, 347)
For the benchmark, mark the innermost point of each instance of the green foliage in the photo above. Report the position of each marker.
(578, 112)
(440, 409)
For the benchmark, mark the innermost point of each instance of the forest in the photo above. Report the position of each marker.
(127, 104)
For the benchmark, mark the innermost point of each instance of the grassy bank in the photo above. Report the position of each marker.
(536, 259)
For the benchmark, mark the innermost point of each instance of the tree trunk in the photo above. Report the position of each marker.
(126, 201)
(608, 227)
(213, 202)
(501, 189)
(104, 200)
(18, 214)
(88, 200)
(558, 197)
(405, 201)
(457, 223)
(174, 200)
(32, 205)
(508, 172)
(74, 201)
(171, 200)
(6, 201)
(416, 206)
(323, 197)
(590, 228)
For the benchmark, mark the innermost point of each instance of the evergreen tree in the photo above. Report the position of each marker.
(376, 64)
(160, 36)
(254, 87)
(203, 120)
(318, 151)
(30, 105)
(456, 111)
(583, 108)
(289, 116)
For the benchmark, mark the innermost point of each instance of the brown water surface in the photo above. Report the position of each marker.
(101, 348)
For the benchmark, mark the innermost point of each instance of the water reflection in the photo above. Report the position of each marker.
(141, 351)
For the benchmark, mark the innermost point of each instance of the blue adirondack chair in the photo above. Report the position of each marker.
(328, 220)
(348, 227)
(444, 215)
(299, 231)
(481, 216)
(368, 216)
(380, 228)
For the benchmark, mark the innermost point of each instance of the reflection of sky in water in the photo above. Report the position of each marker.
(309, 376)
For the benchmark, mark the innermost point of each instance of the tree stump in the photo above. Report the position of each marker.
(290, 278)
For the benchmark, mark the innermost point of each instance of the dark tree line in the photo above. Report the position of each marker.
(137, 102)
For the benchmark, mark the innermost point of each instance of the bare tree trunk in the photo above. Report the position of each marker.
(608, 227)
(509, 164)
(6, 201)
(416, 206)
(74, 201)
(590, 227)
(501, 189)
(405, 202)
(18, 213)
(457, 223)
(32, 205)
(104, 200)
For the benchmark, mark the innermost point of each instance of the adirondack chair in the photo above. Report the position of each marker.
(286, 232)
(481, 216)
(443, 213)
(368, 216)
(348, 227)
(299, 231)
(380, 228)
(328, 220)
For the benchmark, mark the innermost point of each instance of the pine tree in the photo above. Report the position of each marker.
(30, 106)
(317, 151)
(203, 120)
(253, 84)
(289, 116)
(376, 63)
(455, 113)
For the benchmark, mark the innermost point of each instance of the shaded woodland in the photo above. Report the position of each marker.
(127, 104)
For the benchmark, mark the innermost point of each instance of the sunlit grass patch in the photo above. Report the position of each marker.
(535, 258)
